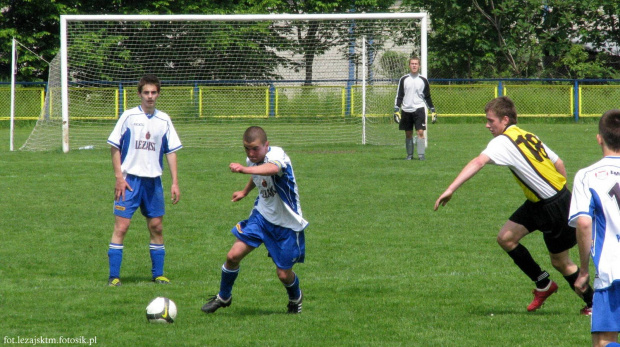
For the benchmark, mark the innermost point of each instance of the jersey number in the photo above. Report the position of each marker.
(534, 145)
(614, 192)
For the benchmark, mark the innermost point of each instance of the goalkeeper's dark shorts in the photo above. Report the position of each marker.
(551, 217)
(416, 118)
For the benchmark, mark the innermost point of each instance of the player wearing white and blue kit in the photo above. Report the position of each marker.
(542, 176)
(139, 141)
(595, 212)
(276, 220)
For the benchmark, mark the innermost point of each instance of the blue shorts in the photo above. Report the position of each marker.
(148, 194)
(606, 309)
(285, 246)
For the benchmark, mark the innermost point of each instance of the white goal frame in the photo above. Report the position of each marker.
(64, 19)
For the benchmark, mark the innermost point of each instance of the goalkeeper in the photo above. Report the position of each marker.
(412, 95)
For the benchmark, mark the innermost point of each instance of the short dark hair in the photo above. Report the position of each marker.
(254, 133)
(149, 79)
(503, 106)
(609, 129)
(415, 57)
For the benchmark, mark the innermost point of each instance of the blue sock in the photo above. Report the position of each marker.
(158, 253)
(115, 258)
(293, 289)
(226, 284)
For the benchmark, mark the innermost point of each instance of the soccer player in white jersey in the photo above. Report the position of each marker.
(542, 176)
(276, 220)
(595, 212)
(412, 95)
(139, 141)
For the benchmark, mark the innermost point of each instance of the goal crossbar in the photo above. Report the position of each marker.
(65, 19)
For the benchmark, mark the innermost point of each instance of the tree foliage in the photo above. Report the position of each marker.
(468, 38)
(308, 40)
(520, 38)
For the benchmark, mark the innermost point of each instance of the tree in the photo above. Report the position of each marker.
(516, 38)
(468, 38)
(316, 38)
(35, 25)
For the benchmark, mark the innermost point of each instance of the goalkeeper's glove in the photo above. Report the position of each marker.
(396, 115)
(433, 116)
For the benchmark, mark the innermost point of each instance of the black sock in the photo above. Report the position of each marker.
(522, 257)
(587, 296)
(543, 280)
(571, 279)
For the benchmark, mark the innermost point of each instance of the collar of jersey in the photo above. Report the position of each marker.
(508, 127)
(148, 115)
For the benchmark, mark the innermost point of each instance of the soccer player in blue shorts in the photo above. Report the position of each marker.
(138, 143)
(594, 211)
(276, 219)
(542, 175)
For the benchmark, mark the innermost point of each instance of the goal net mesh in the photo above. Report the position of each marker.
(302, 80)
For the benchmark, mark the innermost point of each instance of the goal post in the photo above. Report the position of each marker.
(307, 78)
(13, 73)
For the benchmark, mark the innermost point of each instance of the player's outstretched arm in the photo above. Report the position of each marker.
(268, 169)
(468, 172)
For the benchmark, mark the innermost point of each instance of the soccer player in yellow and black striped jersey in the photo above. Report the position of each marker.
(542, 176)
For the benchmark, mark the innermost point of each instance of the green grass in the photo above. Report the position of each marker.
(381, 267)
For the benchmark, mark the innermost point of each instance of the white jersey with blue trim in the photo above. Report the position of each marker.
(596, 195)
(143, 139)
(278, 197)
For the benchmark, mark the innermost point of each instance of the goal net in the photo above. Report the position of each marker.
(307, 79)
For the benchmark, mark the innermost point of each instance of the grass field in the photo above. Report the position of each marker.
(382, 268)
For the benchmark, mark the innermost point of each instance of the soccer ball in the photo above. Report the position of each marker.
(161, 310)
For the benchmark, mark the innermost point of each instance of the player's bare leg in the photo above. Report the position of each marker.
(510, 234)
(237, 252)
(508, 238)
(121, 225)
(604, 338)
(564, 264)
(156, 228)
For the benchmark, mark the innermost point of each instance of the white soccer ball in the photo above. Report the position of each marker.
(161, 310)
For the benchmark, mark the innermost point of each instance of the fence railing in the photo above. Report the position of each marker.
(452, 98)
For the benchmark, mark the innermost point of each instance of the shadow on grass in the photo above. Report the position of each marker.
(486, 311)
